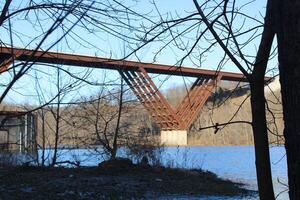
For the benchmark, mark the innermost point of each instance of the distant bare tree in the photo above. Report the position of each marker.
(57, 115)
(101, 119)
(51, 24)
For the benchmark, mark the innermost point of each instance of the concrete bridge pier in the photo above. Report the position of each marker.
(173, 137)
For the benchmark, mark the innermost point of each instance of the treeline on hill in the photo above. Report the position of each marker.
(93, 121)
(230, 103)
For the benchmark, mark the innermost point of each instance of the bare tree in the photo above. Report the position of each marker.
(286, 14)
(117, 131)
(216, 24)
(213, 23)
(101, 120)
(57, 14)
(57, 117)
(52, 24)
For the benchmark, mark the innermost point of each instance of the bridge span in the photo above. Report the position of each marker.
(174, 123)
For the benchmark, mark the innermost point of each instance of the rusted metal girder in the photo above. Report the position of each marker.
(40, 56)
(136, 76)
(4, 64)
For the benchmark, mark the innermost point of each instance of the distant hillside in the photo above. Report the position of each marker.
(220, 108)
(236, 134)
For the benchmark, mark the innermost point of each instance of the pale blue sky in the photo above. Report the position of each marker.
(104, 45)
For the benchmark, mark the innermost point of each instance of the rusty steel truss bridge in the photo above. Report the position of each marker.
(136, 75)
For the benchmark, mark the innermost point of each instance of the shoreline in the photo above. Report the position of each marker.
(70, 147)
(113, 180)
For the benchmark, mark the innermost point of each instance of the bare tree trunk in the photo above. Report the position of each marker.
(258, 108)
(4, 11)
(288, 36)
(43, 136)
(116, 135)
(259, 127)
(256, 79)
(57, 120)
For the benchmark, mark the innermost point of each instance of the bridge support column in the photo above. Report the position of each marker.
(173, 137)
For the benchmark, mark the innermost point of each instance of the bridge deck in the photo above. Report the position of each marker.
(40, 56)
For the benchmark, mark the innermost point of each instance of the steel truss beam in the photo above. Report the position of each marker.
(151, 98)
(5, 62)
(157, 105)
(188, 109)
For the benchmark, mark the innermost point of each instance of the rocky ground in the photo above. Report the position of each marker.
(112, 180)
